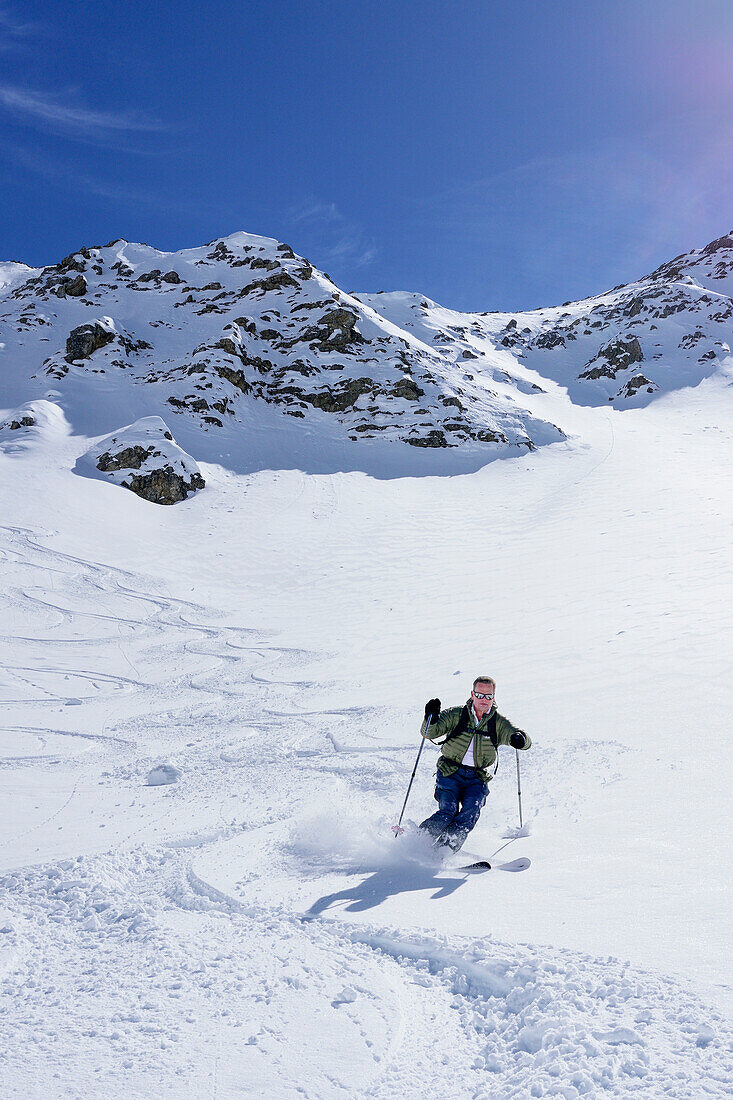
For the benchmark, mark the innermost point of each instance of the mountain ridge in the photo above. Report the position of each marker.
(245, 338)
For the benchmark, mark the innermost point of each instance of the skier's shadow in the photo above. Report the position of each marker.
(382, 884)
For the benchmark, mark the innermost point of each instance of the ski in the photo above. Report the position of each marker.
(520, 864)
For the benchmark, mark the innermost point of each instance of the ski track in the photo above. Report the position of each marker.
(117, 966)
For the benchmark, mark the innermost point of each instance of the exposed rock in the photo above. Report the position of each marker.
(276, 281)
(26, 421)
(86, 339)
(434, 438)
(486, 436)
(721, 242)
(122, 270)
(334, 331)
(220, 252)
(74, 261)
(594, 373)
(227, 344)
(172, 277)
(622, 353)
(164, 486)
(130, 458)
(638, 382)
(407, 389)
(550, 339)
(235, 377)
(340, 398)
(75, 288)
(144, 458)
(618, 355)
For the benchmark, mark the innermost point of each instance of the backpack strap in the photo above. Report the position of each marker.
(464, 721)
(461, 727)
(491, 730)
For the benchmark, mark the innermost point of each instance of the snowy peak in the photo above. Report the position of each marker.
(707, 266)
(13, 273)
(671, 329)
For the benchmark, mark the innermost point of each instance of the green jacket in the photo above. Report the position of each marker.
(484, 753)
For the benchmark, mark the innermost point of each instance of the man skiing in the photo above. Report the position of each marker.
(471, 736)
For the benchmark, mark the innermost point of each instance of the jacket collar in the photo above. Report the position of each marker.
(472, 712)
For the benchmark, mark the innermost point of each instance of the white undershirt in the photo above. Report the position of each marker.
(469, 760)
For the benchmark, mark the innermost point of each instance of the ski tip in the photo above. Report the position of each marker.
(520, 864)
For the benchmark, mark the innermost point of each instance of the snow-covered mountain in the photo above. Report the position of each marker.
(261, 360)
(250, 348)
(665, 331)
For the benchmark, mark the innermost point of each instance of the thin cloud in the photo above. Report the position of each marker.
(47, 111)
(14, 32)
(12, 26)
(337, 240)
(69, 177)
(315, 212)
(658, 202)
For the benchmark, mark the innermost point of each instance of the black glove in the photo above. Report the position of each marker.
(517, 740)
(432, 709)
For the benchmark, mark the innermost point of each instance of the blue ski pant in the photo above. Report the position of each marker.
(460, 799)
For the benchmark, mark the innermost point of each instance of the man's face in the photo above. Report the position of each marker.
(483, 698)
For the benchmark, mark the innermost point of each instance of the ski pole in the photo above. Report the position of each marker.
(396, 828)
(519, 792)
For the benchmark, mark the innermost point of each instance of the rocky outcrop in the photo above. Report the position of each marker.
(615, 357)
(68, 288)
(409, 390)
(144, 458)
(341, 397)
(164, 485)
(83, 341)
(637, 383)
(334, 331)
(433, 438)
(26, 421)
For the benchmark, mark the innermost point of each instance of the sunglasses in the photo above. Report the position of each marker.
(480, 695)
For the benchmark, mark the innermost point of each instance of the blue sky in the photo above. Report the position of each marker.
(489, 155)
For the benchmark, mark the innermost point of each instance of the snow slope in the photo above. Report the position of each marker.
(253, 928)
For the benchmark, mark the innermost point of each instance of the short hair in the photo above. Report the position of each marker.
(484, 680)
